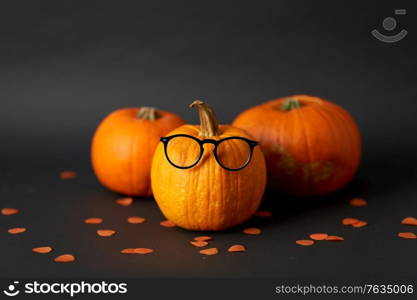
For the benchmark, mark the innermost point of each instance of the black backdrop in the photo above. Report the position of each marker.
(65, 65)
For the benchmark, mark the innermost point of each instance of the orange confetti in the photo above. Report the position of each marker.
(349, 221)
(319, 236)
(105, 232)
(93, 221)
(252, 231)
(135, 220)
(263, 214)
(66, 175)
(209, 251)
(16, 230)
(237, 248)
(136, 251)
(334, 238)
(64, 258)
(8, 211)
(125, 201)
(203, 238)
(304, 242)
(407, 235)
(167, 223)
(409, 221)
(360, 224)
(42, 250)
(199, 243)
(358, 202)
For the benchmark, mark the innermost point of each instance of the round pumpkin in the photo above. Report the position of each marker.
(311, 146)
(123, 146)
(208, 196)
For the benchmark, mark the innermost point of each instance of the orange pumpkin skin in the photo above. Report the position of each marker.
(206, 196)
(310, 150)
(123, 146)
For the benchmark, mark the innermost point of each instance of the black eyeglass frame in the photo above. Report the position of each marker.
(252, 144)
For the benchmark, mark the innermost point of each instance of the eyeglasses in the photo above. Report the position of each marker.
(185, 151)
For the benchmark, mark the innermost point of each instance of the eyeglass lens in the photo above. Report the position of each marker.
(183, 151)
(233, 153)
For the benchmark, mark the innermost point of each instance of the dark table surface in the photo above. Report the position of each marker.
(64, 66)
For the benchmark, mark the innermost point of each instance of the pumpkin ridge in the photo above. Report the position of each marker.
(263, 133)
(238, 182)
(329, 125)
(211, 171)
(203, 180)
(212, 210)
(224, 178)
(150, 150)
(230, 185)
(347, 132)
(301, 118)
(130, 163)
(189, 198)
(280, 136)
(238, 189)
(132, 151)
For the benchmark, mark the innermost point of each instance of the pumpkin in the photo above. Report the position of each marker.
(207, 196)
(123, 146)
(311, 146)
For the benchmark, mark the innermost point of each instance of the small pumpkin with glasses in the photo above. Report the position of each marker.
(208, 176)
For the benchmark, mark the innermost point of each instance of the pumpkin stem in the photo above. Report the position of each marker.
(147, 113)
(209, 126)
(290, 103)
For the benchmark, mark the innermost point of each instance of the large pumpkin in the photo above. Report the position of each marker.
(311, 146)
(208, 196)
(123, 146)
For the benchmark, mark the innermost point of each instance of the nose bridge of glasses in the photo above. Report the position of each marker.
(209, 141)
(208, 145)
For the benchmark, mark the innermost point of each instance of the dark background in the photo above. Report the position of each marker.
(65, 65)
